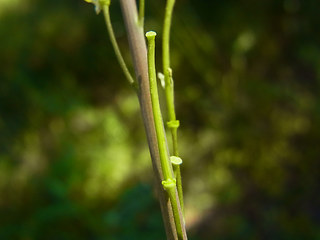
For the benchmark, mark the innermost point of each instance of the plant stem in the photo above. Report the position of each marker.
(141, 12)
(163, 150)
(114, 43)
(138, 49)
(166, 58)
(169, 182)
(177, 173)
(173, 124)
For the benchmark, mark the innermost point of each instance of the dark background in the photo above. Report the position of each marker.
(74, 162)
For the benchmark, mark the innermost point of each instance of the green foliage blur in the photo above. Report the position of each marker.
(74, 161)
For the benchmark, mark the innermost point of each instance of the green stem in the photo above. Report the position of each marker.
(166, 59)
(169, 182)
(177, 173)
(173, 124)
(114, 43)
(170, 187)
(163, 150)
(141, 12)
(166, 40)
(176, 162)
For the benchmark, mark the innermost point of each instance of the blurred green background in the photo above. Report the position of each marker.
(74, 162)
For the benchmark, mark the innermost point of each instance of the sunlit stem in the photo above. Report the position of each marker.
(106, 11)
(169, 182)
(163, 150)
(173, 124)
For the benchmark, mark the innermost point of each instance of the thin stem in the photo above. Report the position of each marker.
(177, 174)
(170, 186)
(169, 182)
(138, 50)
(141, 12)
(163, 150)
(166, 59)
(166, 41)
(173, 124)
(176, 162)
(114, 43)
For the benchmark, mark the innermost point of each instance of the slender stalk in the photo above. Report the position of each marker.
(166, 58)
(176, 162)
(170, 207)
(173, 123)
(106, 11)
(158, 122)
(141, 12)
(177, 173)
(139, 54)
(169, 182)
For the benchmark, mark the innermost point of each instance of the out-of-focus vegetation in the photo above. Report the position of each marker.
(74, 162)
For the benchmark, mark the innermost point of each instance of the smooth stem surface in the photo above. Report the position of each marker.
(138, 50)
(166, 59)
(141, 12)
(114, 43)
(169, 91)
(169, 182)
(177, 173)
(171, 190)
(174, 133)
(158, 122)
